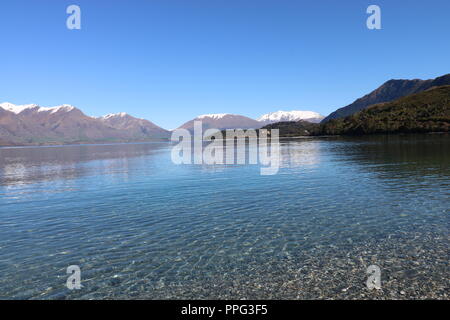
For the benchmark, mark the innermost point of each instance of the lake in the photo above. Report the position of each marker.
(141, 227)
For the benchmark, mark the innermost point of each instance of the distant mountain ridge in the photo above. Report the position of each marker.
(223, 121)
(31, 124)
(136, 128)
(34, 125)
(295, 115)
(389, 91)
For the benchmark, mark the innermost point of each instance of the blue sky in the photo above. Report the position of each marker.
(168, 61)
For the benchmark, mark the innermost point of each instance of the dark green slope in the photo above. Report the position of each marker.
(427, 111)
(389, 91)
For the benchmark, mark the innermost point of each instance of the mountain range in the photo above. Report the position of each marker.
(223, 121)
(34, 125)
(281, 116)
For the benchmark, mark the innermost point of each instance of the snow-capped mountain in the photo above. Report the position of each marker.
(114, 116)
(295, 115)
(135, 127)
(215, 116)
(223, 121)
(32, 124)
(233, 121)
(17, 109)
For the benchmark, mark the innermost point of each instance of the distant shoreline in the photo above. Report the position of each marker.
(84, 143)
(105, 143)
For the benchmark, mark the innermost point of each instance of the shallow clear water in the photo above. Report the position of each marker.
(141, 227)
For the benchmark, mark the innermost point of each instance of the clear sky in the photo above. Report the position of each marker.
(170, 60)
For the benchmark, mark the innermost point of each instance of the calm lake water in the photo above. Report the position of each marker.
(141, 227)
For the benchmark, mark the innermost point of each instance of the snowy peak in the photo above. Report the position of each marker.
(115, 115)
(232, 121)
(17, 109)
(295, 115)
(223, 121)
(64, 107)
(32, 124)
(215, 116)
(135, 126)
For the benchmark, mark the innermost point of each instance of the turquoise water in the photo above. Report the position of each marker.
(141, 227)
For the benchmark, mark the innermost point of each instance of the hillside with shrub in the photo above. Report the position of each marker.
(428, 111)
